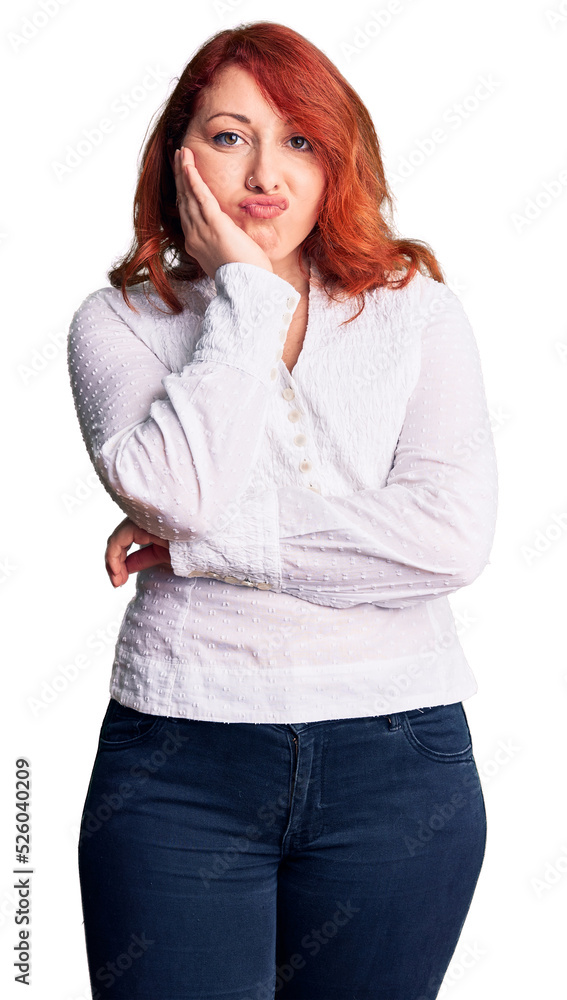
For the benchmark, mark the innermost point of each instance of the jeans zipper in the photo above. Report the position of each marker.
(295, 765)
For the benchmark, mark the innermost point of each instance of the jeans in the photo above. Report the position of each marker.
(331, 860)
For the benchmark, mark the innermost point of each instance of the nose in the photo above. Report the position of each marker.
(264, 168)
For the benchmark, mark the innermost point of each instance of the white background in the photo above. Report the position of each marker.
(490, 200)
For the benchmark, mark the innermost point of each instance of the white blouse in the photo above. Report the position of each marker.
(317, 520)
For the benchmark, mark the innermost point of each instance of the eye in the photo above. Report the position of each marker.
(302, 138)
(217, 138)
(220, 137)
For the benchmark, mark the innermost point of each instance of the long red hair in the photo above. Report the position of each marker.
(352, 245)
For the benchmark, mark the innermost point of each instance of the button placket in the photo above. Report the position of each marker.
(300, 439)
(286, 318)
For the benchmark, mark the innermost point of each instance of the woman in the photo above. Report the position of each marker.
(284, 799)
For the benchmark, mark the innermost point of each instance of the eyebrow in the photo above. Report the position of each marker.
(233, 114)
(230, 114)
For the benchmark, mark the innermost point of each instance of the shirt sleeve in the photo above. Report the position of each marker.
(176, 449)
(426, 533)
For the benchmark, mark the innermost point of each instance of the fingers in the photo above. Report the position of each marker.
(124, 526)
(117, 571)
(114, 561)
(194, 196)
(151, 555)
(119, 564)
(186, 200)
(117, 546)
(128, 532)
(188, 203)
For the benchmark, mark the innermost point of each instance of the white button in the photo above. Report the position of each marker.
(287, 317)
(283, 335)
(313, 486)
(288, 393)
(305, 465)
(290, 303)
(274, 373)
(293, 415)
(263, 586)
(299, 440)
(279, 353)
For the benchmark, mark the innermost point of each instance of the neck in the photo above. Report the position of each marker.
(289, 271)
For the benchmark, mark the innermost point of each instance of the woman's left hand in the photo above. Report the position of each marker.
(119, 565)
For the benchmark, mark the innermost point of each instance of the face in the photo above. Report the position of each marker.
(235, 135)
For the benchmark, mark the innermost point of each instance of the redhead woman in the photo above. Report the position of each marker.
(286, 401)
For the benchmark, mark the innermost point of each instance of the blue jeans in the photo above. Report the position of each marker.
(331, 860)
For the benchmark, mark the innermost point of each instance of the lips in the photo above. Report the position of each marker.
(263, 211)
(263, 199)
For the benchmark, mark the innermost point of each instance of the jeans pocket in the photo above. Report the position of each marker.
(126, 727)
(440, 732)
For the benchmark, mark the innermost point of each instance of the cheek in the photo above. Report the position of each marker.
(314, 187)
(316, 202)
(228, 187)
(214, 173)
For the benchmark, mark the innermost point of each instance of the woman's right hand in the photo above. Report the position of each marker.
(211, 236)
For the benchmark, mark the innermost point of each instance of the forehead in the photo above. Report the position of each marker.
(233, 89)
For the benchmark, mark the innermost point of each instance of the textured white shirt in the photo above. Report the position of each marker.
(316, 520)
